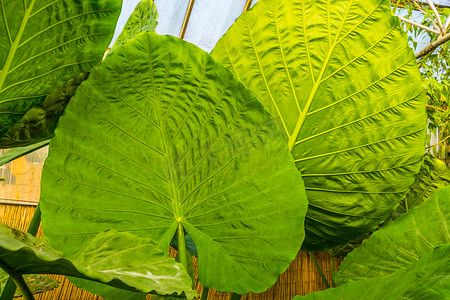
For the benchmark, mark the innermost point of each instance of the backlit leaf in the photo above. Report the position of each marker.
(400, 243)
(161, 134)
(345, 89)
(119, 259)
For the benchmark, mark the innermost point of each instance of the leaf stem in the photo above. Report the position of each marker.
(23, 287)
(10, 287)
(182, 252)
(18, 280)
(235, 296)
(438, 17)
(425, 13)
(438, 143)
(35, 221)
(420, 25)
(205, 292)
(333, 284)
(9, 290)
(324, 279)
(434, 107)
(433, 45)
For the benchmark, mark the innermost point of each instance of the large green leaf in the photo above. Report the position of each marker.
(160, 135)
(426, 279)
(345, 89)
(433, 174)
(45, 43)
(401, 242)
(119, 259)
(142, 19)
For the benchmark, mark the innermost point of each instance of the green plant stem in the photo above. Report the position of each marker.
(235, 296)
(23, 287)
(9, 290)
(182, 252)
(205, 292)
(18, 280)
(332, 270)
(319, 270)
(10, 287)
(35, 222)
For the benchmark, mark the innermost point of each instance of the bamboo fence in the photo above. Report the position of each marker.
(18, 199)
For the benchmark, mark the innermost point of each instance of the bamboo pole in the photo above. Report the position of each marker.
(187, 16)
(248, 4)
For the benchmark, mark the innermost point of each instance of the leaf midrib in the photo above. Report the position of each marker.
(317, 83)
(15, 44)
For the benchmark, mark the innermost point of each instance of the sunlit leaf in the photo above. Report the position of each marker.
(400, 243)
(160, 135)
(119, 259)
(345, 89)
(427, 278)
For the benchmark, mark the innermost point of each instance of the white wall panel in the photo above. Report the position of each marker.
(210, 19)
(171, 15)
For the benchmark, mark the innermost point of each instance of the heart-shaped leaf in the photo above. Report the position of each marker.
(345, 89)
(427, 278)
(43, 44)
(401, 242)
(119, 259)
(161, 135)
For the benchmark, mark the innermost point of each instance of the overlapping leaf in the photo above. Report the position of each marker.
(39, 122)
(118, 259)
(427, 278)
(433, 174)
(43, 44)
(345, 89)
(142, 19)
(161, 134)
(401, 242)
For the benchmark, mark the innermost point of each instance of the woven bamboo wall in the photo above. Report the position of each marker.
(299, 279)
(23, 177)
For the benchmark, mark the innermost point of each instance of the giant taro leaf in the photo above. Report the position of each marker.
(142, 19)
(400, 243)
(428, 278)
(119, 259)
(43, 44)
(433, 174)
(161, 134)
(345, 89)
